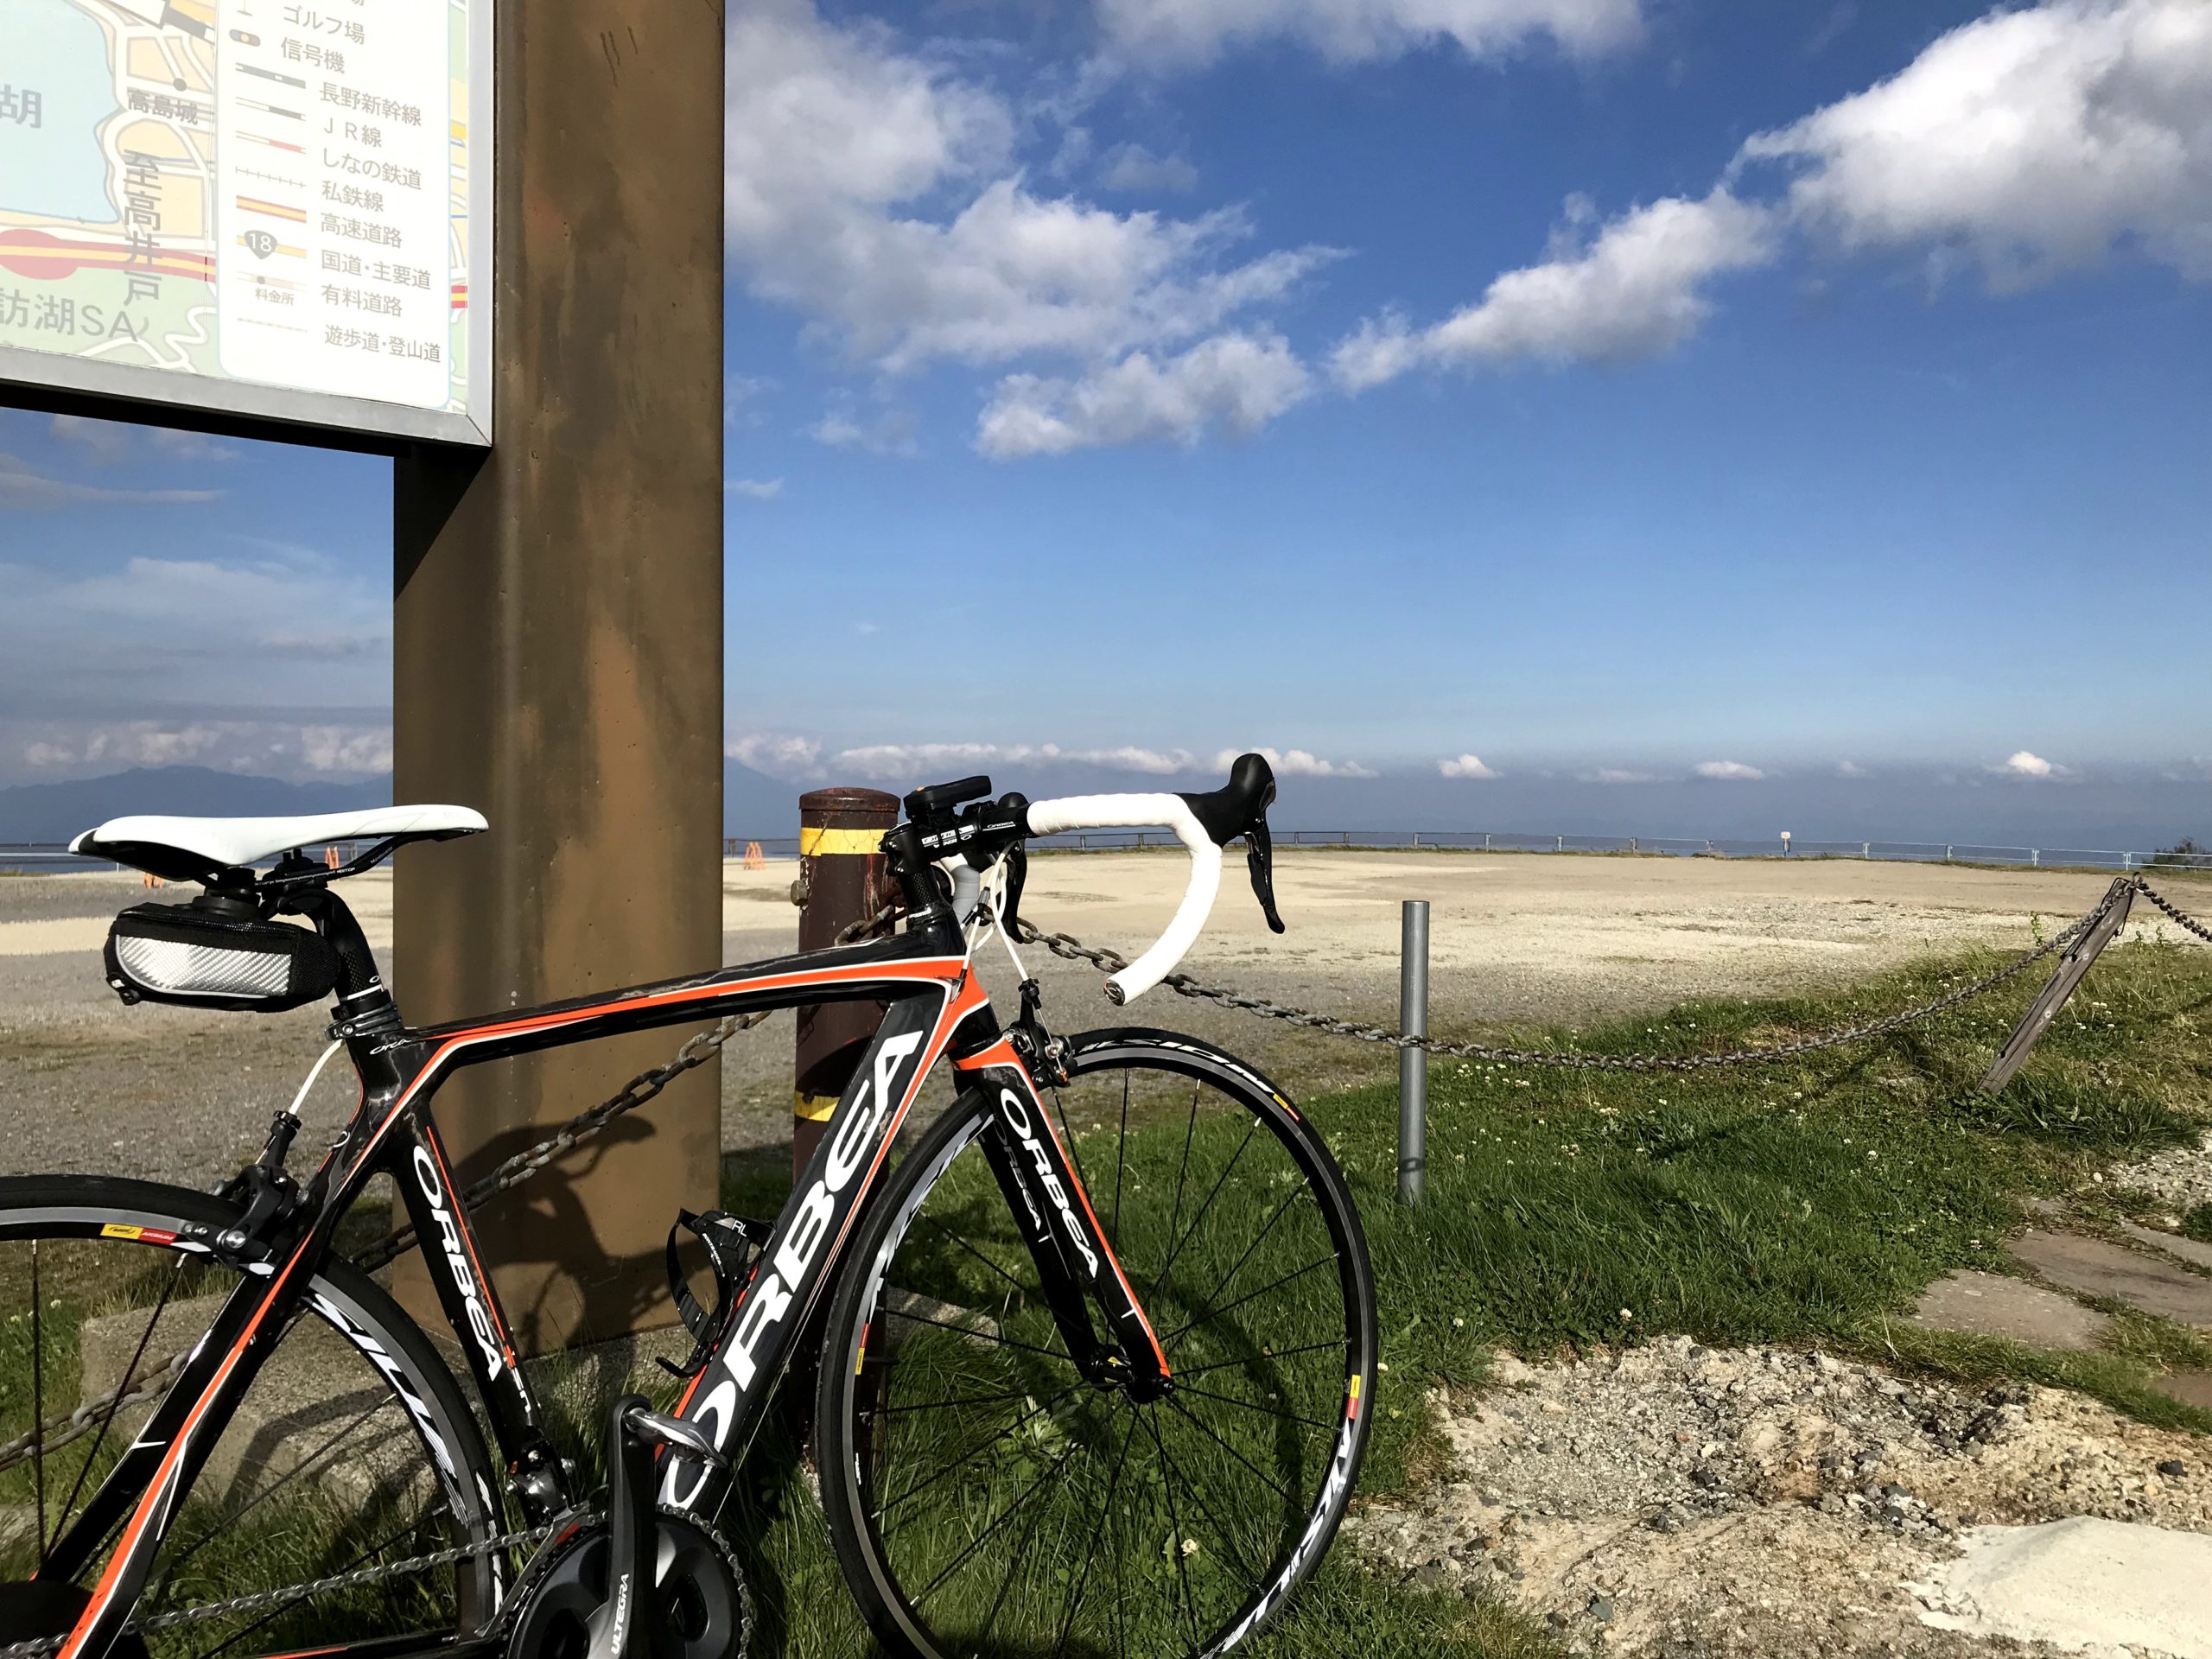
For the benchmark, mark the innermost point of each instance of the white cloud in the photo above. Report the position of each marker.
(1634, 290)
(778, 753)
(740, 392)
(1851, 769)
(878, 193)
(1172, 32)
(22, 487)
(1295, 763)
(1464, 766)
(759, 489)
(333, 748)
(230, 745)
(2022, 764)
(912, 760)
(222, 638)
(1728, 772)
(891, 433)
(2029, 141)
(106, 440)
(1133, 169)
(1238, 382)
(1615, 775)
(188, 446)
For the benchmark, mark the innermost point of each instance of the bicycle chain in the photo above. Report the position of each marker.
(287, 1594)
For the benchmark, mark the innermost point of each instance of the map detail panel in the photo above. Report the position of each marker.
(331, 130)
(265, 192)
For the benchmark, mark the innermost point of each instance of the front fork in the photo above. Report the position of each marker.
(1075, 1261)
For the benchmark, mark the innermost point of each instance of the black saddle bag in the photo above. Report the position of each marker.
(208, 958)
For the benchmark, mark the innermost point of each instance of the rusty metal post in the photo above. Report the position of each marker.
(841, 880)
(558, 651)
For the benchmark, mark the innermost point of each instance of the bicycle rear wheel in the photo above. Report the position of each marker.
(985, 1498)
(353, 1447)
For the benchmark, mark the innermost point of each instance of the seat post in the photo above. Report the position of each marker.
(364, 1002)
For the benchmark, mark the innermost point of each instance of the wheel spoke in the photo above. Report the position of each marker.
(940, 1230)
(1190, 1232)
(1184, 1374)
(38, 1410)
(1049, 1478)
(1091, 1557)
(115, 1400)
(1121, 1159)
(1182, 1386)
(1280, 1490)
(1175, 1523)
(969, 1456)
(1177, 1335)
(1175, 1221)
(1229, 1278)
(1199, 1497)
(228, 1522)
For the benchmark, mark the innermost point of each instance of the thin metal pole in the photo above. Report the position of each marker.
(1413, 1062)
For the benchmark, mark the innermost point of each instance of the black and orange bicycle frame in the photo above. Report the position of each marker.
(935, 1009)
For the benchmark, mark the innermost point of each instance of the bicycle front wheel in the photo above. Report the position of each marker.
(353, 1450)
(984, 1498)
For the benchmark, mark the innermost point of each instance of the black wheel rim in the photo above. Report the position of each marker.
(323, 1471)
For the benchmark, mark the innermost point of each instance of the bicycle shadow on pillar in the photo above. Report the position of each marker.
(561, 1283)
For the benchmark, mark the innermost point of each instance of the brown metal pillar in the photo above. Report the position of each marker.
(841, 872)
(557, 658)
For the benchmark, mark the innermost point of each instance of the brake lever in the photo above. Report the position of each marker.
(1017, 871)
(1260, 860)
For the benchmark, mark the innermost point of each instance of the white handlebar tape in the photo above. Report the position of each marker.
(1130, 812)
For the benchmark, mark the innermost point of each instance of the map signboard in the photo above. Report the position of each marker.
(259, 206)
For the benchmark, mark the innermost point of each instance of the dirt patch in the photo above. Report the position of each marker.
(1677, 1500)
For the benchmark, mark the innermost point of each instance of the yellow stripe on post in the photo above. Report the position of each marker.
(842, 881)
(817, 842)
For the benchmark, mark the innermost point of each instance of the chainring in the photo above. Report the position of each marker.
(707, 1613)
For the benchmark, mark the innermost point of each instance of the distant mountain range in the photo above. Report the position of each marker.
(753, 803)
(2140, 816)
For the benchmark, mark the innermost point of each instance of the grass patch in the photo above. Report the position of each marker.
(1807, 1201)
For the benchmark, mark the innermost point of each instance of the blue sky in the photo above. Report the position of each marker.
(1577, 390)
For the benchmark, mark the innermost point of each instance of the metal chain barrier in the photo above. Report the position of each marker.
(87, 1419)
(2187, 923)
(1074, 950)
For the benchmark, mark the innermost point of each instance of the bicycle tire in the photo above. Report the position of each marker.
(861, 1415)
(130, 1215)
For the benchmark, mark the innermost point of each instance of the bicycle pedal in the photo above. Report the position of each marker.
(659, 1429)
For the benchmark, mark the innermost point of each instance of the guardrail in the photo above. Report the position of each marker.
(1495, 841)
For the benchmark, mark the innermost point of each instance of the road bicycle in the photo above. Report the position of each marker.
(1094, 1352)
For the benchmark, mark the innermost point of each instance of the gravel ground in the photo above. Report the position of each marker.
(2180, 1177)
(179, 1094)
(1679, 1500)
